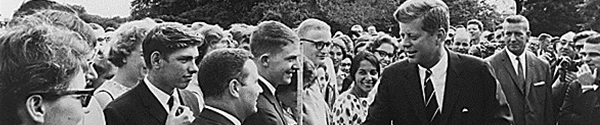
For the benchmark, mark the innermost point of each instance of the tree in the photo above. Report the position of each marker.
(555, 17)
(366, 13)
(590, 11)
(462, 11)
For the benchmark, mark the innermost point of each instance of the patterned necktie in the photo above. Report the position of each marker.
(432, 109)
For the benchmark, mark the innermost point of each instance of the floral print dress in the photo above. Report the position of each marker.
(349, 109)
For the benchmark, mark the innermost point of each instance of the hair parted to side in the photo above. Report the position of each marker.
(127, 37)
(166, 38)
(363, 55)
(270, 37)
(593, 39)
(434, 14)
(39, 57)
(381, 39)
(219, 67)
(584, 35)
(516, 19)
(312, 24)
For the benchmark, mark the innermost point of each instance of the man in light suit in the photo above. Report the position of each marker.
(434, 85)
(159, 99)
(526, 80)
(230, 87)
(276, 50)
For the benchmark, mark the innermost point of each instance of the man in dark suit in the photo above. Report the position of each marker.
(230, 87)
(169, 53)
(435, 85)
(525, 79)
(276, 49)
(582, 98)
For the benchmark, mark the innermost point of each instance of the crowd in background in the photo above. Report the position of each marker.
(58, 69)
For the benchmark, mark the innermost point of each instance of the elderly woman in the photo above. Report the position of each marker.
(351, 107)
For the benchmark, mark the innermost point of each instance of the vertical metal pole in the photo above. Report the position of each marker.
(300, 87)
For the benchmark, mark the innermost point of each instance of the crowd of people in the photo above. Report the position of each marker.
(58, 69)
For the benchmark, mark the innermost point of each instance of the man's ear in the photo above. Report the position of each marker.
(234, 88)
(441, 35)
(155, 60)
(264, 60)
(35, 108)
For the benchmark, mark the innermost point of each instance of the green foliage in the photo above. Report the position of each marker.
(555, 17)
(366, 13)
(462, 11)
(591, 14)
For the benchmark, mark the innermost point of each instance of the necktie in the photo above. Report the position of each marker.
(520, 74)
(170, 102)
(431, 105)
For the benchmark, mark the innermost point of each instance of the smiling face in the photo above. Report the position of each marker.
(366, 76)
(318, 56)
(283, 65)
(179, 67)
(336, 54)
(591, 55)
(384, 54)
(420, 46)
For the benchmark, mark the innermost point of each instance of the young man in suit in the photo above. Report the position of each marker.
(230, 87)
(525, 79)
(276, 51)
(169, 52)
(434, 85)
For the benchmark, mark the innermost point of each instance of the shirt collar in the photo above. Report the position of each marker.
(160, 95)
(513, 57)
(441, 66)
(268, 84)
(230, 117)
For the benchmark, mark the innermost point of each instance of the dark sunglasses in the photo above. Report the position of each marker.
(84, 98)
(318, 44)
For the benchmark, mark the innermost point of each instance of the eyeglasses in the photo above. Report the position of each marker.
(318, 44)
(84, 95)
(384, 54)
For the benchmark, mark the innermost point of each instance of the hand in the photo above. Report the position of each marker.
(180, 115)
(585, 75)
(570, 76)
(546, 56)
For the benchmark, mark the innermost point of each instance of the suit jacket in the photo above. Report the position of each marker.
(471, 97)
(140, 107)
(269, 110)
(531, 104)
(210, 117)
(580, 108)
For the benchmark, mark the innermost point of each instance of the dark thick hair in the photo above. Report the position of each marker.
(127, 37)
(36, 58)
(593, 39)
(363, 55)
(219, 67)
(584, 35)
(476, 22)
(434, 13)
(270, 37)
(167, 38)
(31, 6)
(381, 39)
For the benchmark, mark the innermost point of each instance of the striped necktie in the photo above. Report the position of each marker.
(432, 109)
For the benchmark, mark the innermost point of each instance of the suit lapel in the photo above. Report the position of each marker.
(511, 70)
(451, 92)
(414, 90)
(151, 103)
(272, 99)
(530, 72)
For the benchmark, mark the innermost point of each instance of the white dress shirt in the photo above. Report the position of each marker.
(230, 117)
(162, 96)
(438, 78)
(515, 64)
(268, 84)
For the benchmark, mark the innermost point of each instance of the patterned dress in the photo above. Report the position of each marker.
(349, 109)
